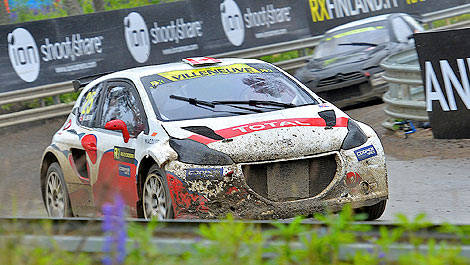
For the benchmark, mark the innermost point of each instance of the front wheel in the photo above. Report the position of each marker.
(374, 211)
(156, 201)
(56, 194)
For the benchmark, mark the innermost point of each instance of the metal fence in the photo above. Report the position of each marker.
(60, 109)
(405, 96)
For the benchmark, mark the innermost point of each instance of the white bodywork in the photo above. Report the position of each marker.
(269, 137)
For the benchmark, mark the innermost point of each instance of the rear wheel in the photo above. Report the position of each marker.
(156, 201)
(374, 211)
(56, 195)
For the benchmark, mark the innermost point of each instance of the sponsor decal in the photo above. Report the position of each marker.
(154, 134)
(209, 71)
(123, 154)
(322, 10)
(24, 54)
(234, 22)
(365, 153)
(154, 81)
(124, 170)
(204, 173)
(150, 140)
(353, 179)
(268, 125)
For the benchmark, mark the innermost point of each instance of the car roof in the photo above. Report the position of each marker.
(138, 72)
(362, 22)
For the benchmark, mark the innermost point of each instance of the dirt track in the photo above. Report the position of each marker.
(425, 175)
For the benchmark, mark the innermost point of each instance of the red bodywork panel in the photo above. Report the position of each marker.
(183, 199)
(111, 182)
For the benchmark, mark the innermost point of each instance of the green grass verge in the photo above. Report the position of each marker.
(240, 243)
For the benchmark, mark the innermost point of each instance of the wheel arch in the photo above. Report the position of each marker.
(48, 158)
(144, 166)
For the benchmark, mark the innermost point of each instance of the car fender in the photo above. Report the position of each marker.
(161, 152)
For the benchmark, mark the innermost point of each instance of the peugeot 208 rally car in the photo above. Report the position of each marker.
(203, 138)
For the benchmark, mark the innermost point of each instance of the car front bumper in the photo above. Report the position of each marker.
(215, 191)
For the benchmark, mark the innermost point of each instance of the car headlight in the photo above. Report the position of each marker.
(355, 136)
(192, 152)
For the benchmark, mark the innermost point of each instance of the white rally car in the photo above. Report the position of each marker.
(204, 138)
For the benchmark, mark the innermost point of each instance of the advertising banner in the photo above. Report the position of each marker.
(242, 24)
(326, 14)
(63, 49)
(446, 70)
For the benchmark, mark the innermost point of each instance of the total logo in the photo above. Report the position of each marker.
(234, 22)
(24, 54)
(138, 36)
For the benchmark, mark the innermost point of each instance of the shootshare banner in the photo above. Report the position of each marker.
(55, 50)
(446, 70)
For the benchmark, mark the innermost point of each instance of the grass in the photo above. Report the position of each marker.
(233, 242)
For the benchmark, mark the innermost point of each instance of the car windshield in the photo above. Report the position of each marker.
(350, 39)
(223, 91)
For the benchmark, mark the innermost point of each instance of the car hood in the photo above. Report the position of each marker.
(288, 133)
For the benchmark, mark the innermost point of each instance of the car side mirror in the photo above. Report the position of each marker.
(118, 125)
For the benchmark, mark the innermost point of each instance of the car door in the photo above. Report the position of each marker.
(83, 152)
(118, 165)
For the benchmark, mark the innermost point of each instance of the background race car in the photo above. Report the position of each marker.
(345, 68)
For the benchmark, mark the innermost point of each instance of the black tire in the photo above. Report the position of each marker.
(151, 205)
(56, 195)
(374, 211)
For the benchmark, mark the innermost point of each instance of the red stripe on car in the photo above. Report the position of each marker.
(267, 125)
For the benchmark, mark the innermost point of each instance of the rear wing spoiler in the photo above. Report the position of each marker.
(85, 80)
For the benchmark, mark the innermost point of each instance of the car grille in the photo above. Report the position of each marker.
(339, 78)
(342, 93)
(291, 180)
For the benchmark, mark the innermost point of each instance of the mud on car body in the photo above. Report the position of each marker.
(204, 138)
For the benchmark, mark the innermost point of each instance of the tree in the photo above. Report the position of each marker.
(4, 16)
(72, 7)
(98, 5)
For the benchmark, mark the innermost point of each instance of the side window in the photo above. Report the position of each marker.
(120, 103)
(401, 29)
(89, 106)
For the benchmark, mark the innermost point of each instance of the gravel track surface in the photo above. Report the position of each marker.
(425, 174)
